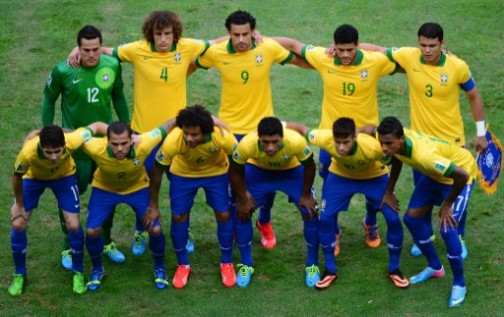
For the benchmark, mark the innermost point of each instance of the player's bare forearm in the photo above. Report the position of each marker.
(290, 44)
(372, 48)
(300, 62)
(298, 127)
(98, 128)
(17, 187)
(394, 175)
(237, 180)
(156, 177)
(460, 178)
(309, 176)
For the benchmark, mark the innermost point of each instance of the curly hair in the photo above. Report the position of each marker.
(161, 20)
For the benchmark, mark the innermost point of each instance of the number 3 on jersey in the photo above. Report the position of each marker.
(164, 74)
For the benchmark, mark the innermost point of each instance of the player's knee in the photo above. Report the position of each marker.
(19, 224)
(223, 216)
(155, 231)
(93, 232)
(410, 221)
(180, 218)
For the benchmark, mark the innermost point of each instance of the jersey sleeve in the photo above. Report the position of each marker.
(439, 165)
(281, 55)
(387, 67)
(206, 59)
(229, 143)
(198, 47)
(52, 90)
(310, 54)
(301, 150)
(75, 139)
(118, 97)
(169, 148)
(22, 163)
(126, 52)
(150, 139)
(242, 153)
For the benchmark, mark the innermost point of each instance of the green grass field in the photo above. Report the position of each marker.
(36, 35)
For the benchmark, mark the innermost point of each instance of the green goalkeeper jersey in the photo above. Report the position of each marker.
(86, 94)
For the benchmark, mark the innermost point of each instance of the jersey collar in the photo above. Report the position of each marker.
(442, 60)
(354, 149)
(153, 47)
(131, 154)
(408, 147)
(231, 50)
(359, 56)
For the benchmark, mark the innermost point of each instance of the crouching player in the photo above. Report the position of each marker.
(197, 157)
(265, 161)
(447, 181)
(121, 178)
(355, 168)
(44, 162)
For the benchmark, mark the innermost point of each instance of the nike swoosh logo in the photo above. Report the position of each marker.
(147, 57)
(227, 63)
(416, 70)
(74, 81)
(76, 206)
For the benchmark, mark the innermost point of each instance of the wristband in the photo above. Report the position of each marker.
(480, 128)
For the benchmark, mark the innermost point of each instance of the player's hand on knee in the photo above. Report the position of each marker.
(446, 217)
(390, 199)
(19, 217)
(150, 217)
(310, 205)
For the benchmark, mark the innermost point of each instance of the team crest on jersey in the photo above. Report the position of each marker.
(364, 74)
(440, 166)
(286, 156)
(212, 150)
(105, 77)
(136, 162)
(178, 57)
(160, 156)
(361, 162)
(259, 59)
(444, 78)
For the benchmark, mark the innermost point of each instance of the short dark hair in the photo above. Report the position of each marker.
(161, 20)
(431, 30)
(270, 126)
(88, 32)
(346, 34)
(52, 136)
(343, 128)
(239, 18)
(391, 125)
(196, 116)
(118, 127)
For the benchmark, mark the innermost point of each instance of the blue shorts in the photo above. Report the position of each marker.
(324, 163)
(429, 192)
(338, 191)
(184, 189)
(260, 183)
(65, 189)
(102, 204)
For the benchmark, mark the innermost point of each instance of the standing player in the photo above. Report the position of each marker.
(435, 80)
(355, 168)
(121, 178)
(447, 180)
(265, 161)
(246, 90)
(86, 94)
(350, 81)
(46, 162)
(197, 157)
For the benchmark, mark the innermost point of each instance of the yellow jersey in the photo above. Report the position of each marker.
(245, 79)
(293, 150)
(207, 159)
(127, 175)
(363, 162)
(32, 162)
(160, 79)
(349, 91)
